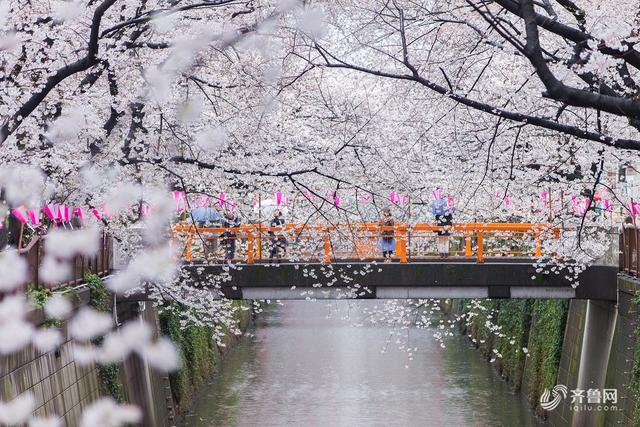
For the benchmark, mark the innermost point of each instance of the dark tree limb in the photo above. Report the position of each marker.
(83, 64)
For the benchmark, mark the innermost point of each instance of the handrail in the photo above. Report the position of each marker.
(358, 238)
(100, 264)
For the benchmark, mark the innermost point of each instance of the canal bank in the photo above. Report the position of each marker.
(63, 385)
(591, 347)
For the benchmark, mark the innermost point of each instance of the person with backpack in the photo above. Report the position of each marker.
(444, 218)
(228, 237)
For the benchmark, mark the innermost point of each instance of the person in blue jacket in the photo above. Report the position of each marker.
(444, 218)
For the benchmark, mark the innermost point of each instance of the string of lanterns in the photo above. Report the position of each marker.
(62, 213)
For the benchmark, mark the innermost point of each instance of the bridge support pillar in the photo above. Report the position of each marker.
(598, 332)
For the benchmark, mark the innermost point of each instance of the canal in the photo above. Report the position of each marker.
(296, 367)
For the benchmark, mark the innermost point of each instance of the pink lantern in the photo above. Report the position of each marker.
(221, 199)
(50, 211)
(401, 199)
(506, 199)
(202, 201)
(20, 214)
(392, 197)
(97, 214)
(336, 201)
(59, 213)
(365, 198)
(450, 202)
(545, 197)
(180, 198)
(608, 205)
(80, 214)
(309, 196)
(34, 216)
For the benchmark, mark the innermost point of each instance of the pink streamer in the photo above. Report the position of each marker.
(450, 202)
(221, 199)
(97, 214)
(437, 194)
(278, 198)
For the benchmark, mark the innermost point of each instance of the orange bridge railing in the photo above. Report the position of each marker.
(358, 241)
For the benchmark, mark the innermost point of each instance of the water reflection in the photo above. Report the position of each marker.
(298, 368)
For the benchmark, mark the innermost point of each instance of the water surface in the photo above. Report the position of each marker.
(295, 367)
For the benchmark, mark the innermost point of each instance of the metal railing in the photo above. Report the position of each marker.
(100, 264)
(630, 250)
(357, 241)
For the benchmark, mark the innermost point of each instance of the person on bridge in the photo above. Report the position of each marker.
(278, 241)
(228, 240)
(444, 217)
(387, 241)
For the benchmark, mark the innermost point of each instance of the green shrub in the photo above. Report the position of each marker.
(108, 375)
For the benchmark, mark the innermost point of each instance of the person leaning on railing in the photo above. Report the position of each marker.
(278, 241)
(387, 241)
(228, 237)
(444, 218)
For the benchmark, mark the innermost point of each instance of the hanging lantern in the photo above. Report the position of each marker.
(97, 214)
(80, 214)
(50, 211)
(450, 202)
(365, 198)
(309, 196)
(544, 196)
(20, 214)
(222, 199)
(392, 196)
(34, 216)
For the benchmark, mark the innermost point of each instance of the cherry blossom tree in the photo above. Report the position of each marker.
(512, 106)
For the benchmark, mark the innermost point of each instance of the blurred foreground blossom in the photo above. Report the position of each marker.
(89, 324)
(58, 307)
(18, 410)
(107, 413)
(13, 270)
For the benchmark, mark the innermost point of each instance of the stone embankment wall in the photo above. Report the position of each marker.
(580, 344)
(60, 386)
(63, 388)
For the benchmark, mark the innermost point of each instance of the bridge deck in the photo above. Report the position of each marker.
(443, 279)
